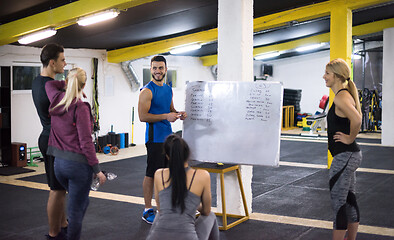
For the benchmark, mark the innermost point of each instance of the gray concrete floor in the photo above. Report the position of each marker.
(289, 202)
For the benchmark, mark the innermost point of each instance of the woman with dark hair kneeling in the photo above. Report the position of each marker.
(179, 192)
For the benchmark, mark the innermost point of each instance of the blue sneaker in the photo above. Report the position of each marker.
(148, 216)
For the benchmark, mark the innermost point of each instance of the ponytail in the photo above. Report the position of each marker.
(354, 92)
(177, 151)
(76, 80)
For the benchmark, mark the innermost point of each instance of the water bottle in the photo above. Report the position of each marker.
(96, 182)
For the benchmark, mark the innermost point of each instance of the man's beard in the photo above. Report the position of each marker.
(159, 80)
(57, 71)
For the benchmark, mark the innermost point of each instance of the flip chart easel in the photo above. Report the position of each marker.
(233, 123)
(221, 170)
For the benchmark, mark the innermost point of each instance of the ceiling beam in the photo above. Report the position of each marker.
(148, 49)
(359, 30)
(321, 38)
(266, 22)
(357, 4)
(60, 17)
(309, 12)
(372, 27)
(300, 14)
(212, 59)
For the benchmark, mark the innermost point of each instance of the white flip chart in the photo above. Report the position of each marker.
(234, 122)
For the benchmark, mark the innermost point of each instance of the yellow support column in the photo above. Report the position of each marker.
(340, 41)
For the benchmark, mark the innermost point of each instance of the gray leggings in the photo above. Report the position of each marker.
(342, 188)
(206, 228)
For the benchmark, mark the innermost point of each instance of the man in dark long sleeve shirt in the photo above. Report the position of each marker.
(53, 61)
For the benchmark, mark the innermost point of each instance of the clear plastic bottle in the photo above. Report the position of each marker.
(96, 182)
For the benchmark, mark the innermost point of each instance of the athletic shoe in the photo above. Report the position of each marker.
(63, 230)
(60, 236)
(148, 216)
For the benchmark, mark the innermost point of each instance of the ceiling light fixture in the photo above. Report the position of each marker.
(36, 36)
(267, 55)
(185, 48)
(98, 17)
(309, 47)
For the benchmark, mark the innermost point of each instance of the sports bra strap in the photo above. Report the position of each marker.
(342, 90)
(162, 177)
(192, 179)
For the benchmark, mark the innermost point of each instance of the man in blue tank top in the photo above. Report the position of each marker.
(156, 108)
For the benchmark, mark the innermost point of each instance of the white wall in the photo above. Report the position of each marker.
(388, 88)
(25, 119)
(25, 124)
(114, 110)
(301, 72)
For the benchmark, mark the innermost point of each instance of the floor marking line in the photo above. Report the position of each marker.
(315, 223)
(321, 166)
(21, 183)
(95, 194)
(324, 140)
(382, 231)
(307, 165)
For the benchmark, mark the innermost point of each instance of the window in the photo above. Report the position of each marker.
(61, 76)
(22, 76)
(170, 78)
(146, 76)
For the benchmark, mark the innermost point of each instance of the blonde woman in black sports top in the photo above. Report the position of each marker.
(344, 122)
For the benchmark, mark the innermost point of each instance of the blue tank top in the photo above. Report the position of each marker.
(160, 104)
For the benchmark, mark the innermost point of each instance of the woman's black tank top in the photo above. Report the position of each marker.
(338, 124)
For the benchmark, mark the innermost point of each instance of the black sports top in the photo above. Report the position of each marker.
(41, 102)
(338, 124)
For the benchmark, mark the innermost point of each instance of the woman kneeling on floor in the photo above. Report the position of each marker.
(179, 192)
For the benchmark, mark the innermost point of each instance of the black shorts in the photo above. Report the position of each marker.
(156, 158)
(49, 164)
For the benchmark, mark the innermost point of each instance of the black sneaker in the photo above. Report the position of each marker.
(60, 236)
(63, 230)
